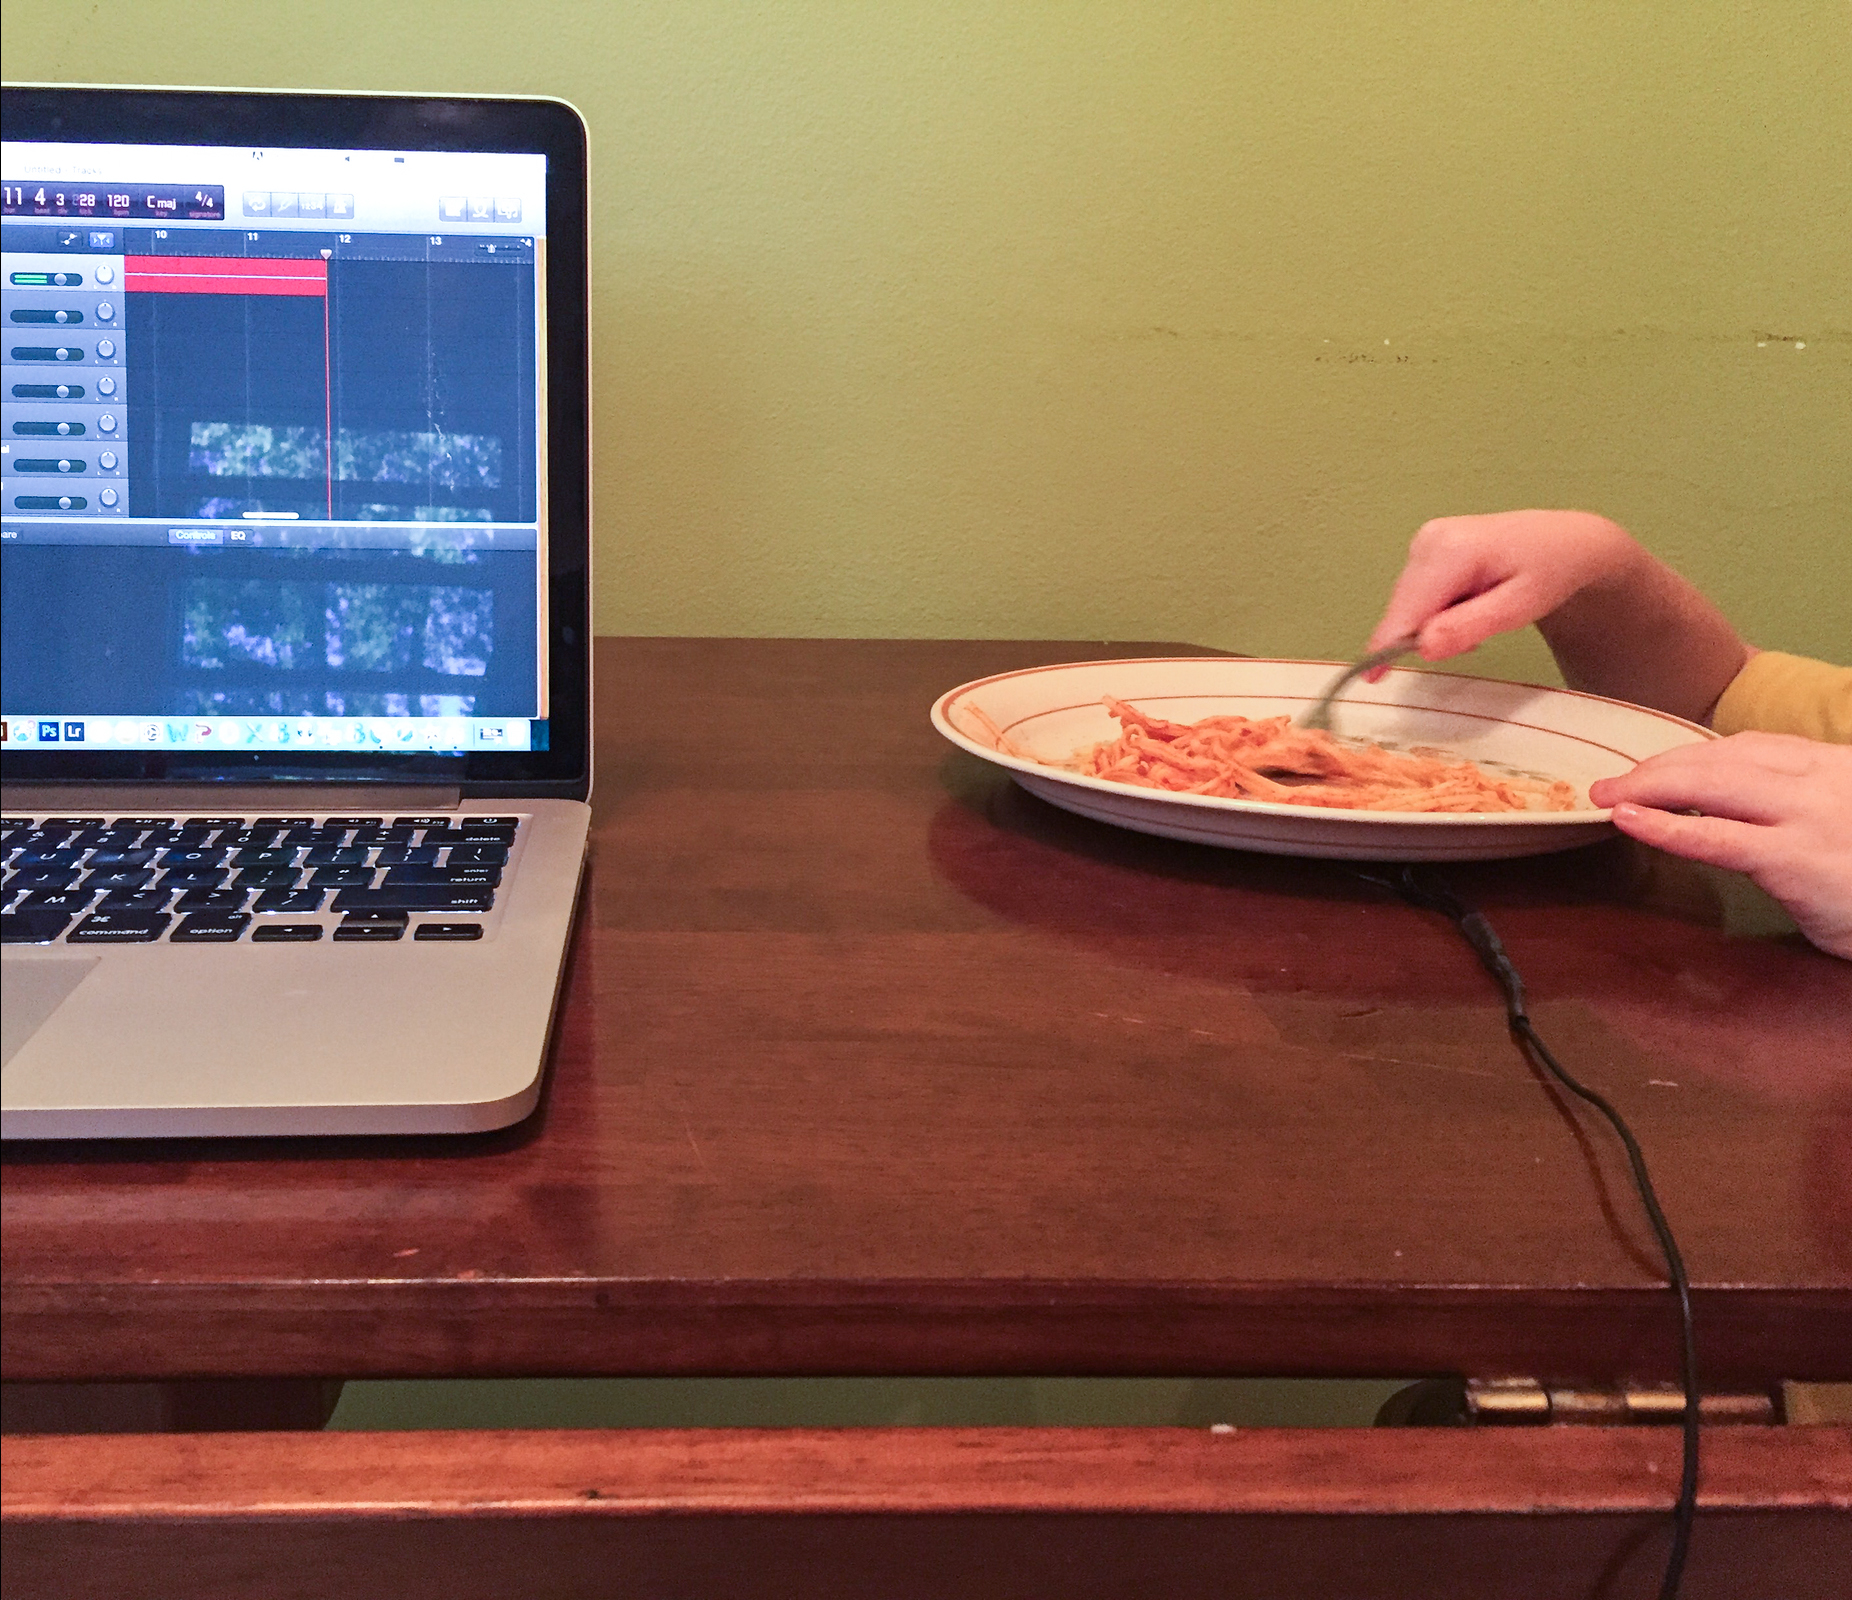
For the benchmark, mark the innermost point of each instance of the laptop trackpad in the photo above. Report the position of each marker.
(30, 991)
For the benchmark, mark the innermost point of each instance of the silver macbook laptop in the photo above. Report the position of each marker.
(295, 683)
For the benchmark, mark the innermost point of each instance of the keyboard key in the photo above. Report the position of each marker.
(214, 822)
(282, 822)
(175, 859)
(286, 932)
(112, 852)
(399, 917)
(329, 855)
(443, 836)
(370, 932)
(120, 878)
(142, 824)
(389, 836)
(194, 878)
(491, 854)
(402, 855)
(135, 900)
(350, 822)
(69, 901)
(247, 838)
(210, 927)
(45, 878)
(119, 858)
(448, 930)
(168, 839)
(509, 824)
(267, 878)
(421, 822)
(414, 897)
(119, 927)
(289, 902)
(72, 824)
(38, 842)
(484, 877)
(32, 927)
(212, 900)
(30, 859)
(267, 857)
(340, 877)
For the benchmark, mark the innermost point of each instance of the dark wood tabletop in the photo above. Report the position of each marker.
(868, 1062)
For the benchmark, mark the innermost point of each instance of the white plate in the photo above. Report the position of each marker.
(1052, 712)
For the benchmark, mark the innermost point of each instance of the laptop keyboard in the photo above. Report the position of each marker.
(274, 880)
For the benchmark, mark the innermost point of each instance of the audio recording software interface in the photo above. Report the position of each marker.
(273, 449)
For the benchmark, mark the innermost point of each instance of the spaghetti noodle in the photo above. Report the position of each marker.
(1267, 758)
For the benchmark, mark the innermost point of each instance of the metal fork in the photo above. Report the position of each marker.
(1319, 715)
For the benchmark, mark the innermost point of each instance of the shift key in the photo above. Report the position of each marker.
(415, 897)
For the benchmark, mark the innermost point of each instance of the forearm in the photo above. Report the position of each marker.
(1642, 633)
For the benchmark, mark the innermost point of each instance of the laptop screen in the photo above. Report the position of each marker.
(276, 450)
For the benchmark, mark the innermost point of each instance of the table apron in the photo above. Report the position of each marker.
(1747, 1338)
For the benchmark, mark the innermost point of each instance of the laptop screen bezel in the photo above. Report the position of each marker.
(549, 128)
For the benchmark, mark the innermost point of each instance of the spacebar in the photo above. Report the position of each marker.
(416, 897)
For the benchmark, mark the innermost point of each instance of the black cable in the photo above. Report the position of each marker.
(1491, 952)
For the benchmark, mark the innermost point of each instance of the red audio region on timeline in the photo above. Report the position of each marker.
(224, 275)
(287, 275)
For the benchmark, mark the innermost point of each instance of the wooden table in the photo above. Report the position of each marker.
(869, 1063)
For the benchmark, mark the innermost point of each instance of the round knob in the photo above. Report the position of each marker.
(107, 460)
(105, 310)
(107, 422)
(105, 273)
(106, 348)
(108, 497)
(105, 385)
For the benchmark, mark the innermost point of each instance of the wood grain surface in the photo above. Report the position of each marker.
(869, 1062)
(952, 1511)
(652, 1471)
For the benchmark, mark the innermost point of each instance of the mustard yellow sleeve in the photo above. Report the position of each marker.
(1788, 694)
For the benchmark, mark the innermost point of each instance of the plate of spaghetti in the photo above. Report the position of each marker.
(1419, 766)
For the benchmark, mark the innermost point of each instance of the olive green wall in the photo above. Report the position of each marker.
(1155, 320)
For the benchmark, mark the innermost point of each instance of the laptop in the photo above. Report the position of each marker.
(294, 648)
